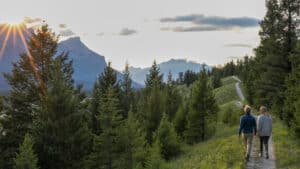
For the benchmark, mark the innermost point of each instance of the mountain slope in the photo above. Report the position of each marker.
(175, 66)
(87, 64)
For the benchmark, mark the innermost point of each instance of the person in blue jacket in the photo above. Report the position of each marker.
(248, 128)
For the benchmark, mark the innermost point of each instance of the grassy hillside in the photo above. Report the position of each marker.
(224, 149)
(226, 93)
(287, 148)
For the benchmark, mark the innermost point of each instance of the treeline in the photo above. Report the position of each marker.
(272, 77)
(48, 123)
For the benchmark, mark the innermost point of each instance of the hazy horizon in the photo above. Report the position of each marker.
(211, 32)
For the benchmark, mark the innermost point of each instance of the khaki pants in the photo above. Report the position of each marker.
(248, 138)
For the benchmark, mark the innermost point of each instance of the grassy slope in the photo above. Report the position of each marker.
(287, 148)
(223, 150)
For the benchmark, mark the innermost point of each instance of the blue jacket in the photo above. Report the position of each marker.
(247, 124)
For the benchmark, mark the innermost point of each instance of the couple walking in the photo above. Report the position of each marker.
(250, 127)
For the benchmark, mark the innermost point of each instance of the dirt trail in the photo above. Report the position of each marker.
(257, 162)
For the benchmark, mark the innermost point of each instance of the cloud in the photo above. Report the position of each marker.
(29, 20)
(211, 23)
(100, 34)
(62, 26)
(127, 32)
(66, 33)
(191, 29)
(238, 45)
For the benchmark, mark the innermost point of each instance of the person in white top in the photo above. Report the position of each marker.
(264, 129)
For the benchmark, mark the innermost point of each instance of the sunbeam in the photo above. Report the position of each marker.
(14, 32)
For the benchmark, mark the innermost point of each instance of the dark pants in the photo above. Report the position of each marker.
(264, 141)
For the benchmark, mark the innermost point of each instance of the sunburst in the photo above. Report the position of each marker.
(19, 31)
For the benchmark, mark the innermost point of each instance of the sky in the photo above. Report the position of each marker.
(141, 31)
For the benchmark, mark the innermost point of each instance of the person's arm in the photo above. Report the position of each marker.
(241, 125)
(255, 127)
(259, 124)
(271, 123)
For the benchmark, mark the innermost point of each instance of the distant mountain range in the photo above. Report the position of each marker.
(175, 66)
(87, 64)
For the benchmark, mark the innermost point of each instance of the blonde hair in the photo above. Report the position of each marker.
(247, 109)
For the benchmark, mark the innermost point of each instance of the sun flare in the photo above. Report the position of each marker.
(14, 21)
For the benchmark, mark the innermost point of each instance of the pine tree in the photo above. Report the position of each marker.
(136, 147)
(203, 109)
(290, 11)
(62, 136)
(154, 107)
(167, 139)
(154, 74)
(1, 103)
(292, 93)
(189, 77)
(172, 98)
(155, 160)
(29, 81)
(216, 81)
(26, 158)
(278, 40)
(272, 65)
(180, 120)
(127, 92)
(296, 120)
(107, 79)
(107, 145)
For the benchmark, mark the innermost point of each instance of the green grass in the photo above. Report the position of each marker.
(222, 151)
(226, 93)
(228, 80)
(287, 148)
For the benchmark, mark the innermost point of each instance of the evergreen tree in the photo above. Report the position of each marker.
(296, 120)
(216, 81)
(1, 103)
(29, 81)
(292, 93)
(154, 74)
(107, 79)
(167, 139)
(180, 120)
(278, 40)
(154, 107)
(247, 76)
(62, 137)
(136, 147)
(127, 91)
(108, 146)
(229, 69)
(290, 11)
(26, 158)
(272, 65)
(203, 109)
(172, 98)
(155, 160)
(180, 78)
(189, 77)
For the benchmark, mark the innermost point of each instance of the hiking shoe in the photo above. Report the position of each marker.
(247, 158)
(267, 156)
